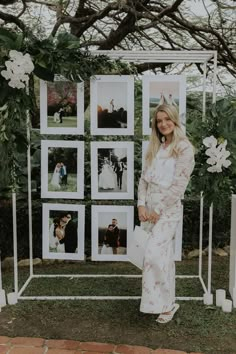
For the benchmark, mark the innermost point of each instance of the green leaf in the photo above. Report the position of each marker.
(43, 73)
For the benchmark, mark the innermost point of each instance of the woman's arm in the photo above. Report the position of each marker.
(183, 170)
(142, 191)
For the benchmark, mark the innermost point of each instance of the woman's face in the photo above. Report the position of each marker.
(164, 124)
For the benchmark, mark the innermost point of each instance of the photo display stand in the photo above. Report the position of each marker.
(175, 57)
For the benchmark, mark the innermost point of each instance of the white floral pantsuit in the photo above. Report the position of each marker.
(161, 187)
(158, 288)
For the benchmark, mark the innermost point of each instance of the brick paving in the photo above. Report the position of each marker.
(22, 345)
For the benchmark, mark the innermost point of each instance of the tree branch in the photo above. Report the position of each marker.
(13, 19)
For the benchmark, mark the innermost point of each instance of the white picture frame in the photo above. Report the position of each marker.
(179, 230)
(112, 170)
(52, 249)
(66, 97)
(156, 88)
(103, 237)
(71, 154)
(144, 151)
(112, 105)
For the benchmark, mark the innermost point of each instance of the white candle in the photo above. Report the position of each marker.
(220, 296)
(11, 298)
(227, 305)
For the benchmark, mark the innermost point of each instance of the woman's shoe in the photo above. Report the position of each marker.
(165, 318)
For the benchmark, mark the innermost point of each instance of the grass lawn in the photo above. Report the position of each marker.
(196, 327)
(70, 187)
(67, 122)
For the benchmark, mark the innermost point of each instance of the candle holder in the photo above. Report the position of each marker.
(227, 305)
(12, 298)
(220, 296)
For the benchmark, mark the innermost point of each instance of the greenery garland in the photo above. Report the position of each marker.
(217, 187)
(52, 56)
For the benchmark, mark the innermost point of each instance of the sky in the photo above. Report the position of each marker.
(105, 218)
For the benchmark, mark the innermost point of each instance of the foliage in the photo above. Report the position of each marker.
(51, 56)
(219, 121)
(61, 56)
(125, 24)
(13, 141)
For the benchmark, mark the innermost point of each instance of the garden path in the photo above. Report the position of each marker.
(24, 345)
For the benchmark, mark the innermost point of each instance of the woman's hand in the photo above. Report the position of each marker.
(142, 214)
(154, 217)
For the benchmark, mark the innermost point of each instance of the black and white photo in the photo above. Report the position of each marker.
(112, 170)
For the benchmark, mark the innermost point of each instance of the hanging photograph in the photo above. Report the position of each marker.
(166, 89)
(112, 166)
(62, 169)
(179, 230)
(61, 107)
(63, 231)
(111, 227)
(112, 105)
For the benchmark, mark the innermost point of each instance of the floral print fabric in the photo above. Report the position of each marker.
(162, 191)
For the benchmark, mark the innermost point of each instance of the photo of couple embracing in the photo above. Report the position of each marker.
(63, 233)
(59, 177)
(62, 169)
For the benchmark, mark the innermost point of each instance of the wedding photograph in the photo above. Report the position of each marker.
(166, 89)
(63, 231)
(111, 227)
(62, 169)
(112, 170)
(61, 107)
(112, 105)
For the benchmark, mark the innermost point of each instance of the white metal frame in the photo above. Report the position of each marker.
(137, 57)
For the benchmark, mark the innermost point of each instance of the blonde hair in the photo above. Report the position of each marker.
(156, 136)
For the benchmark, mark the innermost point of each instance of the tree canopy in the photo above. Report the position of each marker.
(131, 24)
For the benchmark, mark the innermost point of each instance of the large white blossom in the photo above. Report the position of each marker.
(217, 154)
(18, 69)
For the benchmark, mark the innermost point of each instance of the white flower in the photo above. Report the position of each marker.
(226, 163)
(214, 169)
(18, 67)
(217, 154)
(210, 141)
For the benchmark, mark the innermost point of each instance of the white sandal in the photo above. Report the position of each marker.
(165, 318)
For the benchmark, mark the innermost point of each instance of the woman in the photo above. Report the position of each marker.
(59, 233)
(55, 181)
(106, 177)
(169, 164)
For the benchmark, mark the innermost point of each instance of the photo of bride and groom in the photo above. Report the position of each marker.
(59, 177)
(112, 234)
(62, 104)
(112, 170)
(63, 233)
(62, 176)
